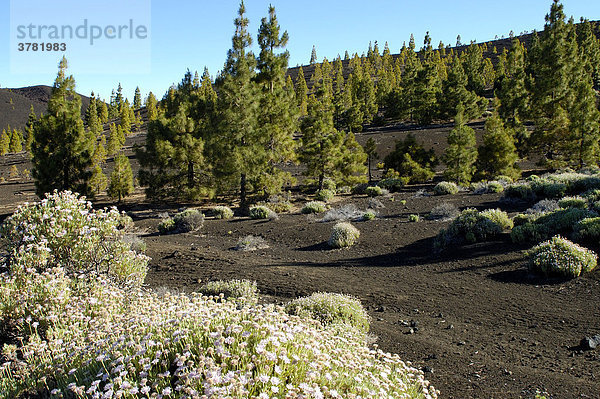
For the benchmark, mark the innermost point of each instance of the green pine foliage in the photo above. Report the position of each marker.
(461, 153)
(277, 114)
(412, 161)
(173, 161)
(563, 102)
(92, 120)
(498, 154)
(121, 179)
(238, 148)
(151, 104)
(29, 127)
(16, 141)
(4, 142)
(455, 92)
(137, 99)
(61, 149)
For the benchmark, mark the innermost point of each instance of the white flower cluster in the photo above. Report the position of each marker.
(561, 257)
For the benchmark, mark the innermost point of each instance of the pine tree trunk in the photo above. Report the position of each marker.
(369, 165)
(190, 175)
(243, 188)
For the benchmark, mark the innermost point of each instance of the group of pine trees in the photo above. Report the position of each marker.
(204, 143)
(233, 135)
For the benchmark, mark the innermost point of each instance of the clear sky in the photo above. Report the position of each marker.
(197, 33)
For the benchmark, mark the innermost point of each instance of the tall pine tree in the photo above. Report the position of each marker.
(61, 149)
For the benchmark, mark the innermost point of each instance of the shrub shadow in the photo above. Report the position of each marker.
(523, 276)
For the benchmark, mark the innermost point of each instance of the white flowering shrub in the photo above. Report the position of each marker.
(330, 308)
(314, 207)
(237, 290)
(560, 257)
(63, 231)
(222, 212)
(446, 188)
(343, 235)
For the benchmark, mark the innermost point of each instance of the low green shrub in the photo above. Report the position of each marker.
(522, 191)
(374, 191)
(573, 202)
(222, 212)
(446, 188)
(329, 184)
(125, 223)
(522, 218)
(495, 187)
(546, 188)
(166, 226)
(188, 220)
(543, 226)
(499, 218)
(472, 226)
(343, 235)
(359, 189)
(314, 207)
(237, 290)
(393, 185)
(560, 257)
(592, 195)
(369, 215)
(325, 195)
(329, 308)
(135, 242)
(529, 232)
(261, 212)
(588, 229)
(504, 179)
(413, 218)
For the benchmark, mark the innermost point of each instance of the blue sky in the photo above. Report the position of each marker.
(195, 34)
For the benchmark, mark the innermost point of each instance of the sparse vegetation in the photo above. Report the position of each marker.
(325, 195)
(374, 191)
(251, 243)
(444, 211)
(413, 218)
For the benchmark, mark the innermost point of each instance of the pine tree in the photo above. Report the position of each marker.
(98, 180)
(151, 107)
(4, 142)
(102, 111)
(512, 93)
(119, 99)
(313, 56)
(173, 161)
(454, 93)
(16, 141)
(121, 179)
(590, 48)
(427, 86)
(92, 120)
(61, 149)
(472, 60)
(277, 113)
(461, 153)
(137, 99)
(116, 139)
(563, 105)
(126, 119)
(412, 66)
(238, 148)
(498, 154)
(29, 128)
(113, 108)
(412, 161)
(371, 151)
(301, 92)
